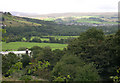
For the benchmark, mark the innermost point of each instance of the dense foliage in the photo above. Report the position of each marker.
(92, 56)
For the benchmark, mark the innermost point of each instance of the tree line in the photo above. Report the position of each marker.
(37, 40)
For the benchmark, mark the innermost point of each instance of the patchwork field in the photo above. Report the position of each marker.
(62, 37)
(45, 38)
(16, 45)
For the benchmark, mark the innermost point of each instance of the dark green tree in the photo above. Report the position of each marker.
(76, 68)
(8, 61)
(25, 60)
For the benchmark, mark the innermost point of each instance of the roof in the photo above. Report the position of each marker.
(15, 52)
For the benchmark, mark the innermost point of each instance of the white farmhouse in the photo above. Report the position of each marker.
(18, 53)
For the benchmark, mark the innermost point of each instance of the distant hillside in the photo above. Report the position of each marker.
(27, 27)
(88, 19)
(21, 25)
(66, 14)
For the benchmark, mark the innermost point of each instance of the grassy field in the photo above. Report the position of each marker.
(85, 19)
(88, 21)
(42, 39)
(62, 37)
(56, 37)
(16, 45)
(84, 16)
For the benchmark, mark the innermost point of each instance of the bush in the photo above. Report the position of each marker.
(36, 40)
(87, 73)
(25, 60)
(26, 78)
(8, 61)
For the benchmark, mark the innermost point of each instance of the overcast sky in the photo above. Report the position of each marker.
(59, 6)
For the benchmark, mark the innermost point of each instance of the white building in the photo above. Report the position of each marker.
(18, 53)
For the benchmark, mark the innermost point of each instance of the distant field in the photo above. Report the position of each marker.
(62, 37)
(56, 37)
(88, 21)
(85, 16)
(16, 45)
(85, 19)
(49, 19)
(42, 39)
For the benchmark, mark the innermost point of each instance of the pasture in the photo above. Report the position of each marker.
(45, 38)
(62, 37)
(42, 39)
(16, 45)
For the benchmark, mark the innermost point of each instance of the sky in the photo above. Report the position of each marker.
(58, 6)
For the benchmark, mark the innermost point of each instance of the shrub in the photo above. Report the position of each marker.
(26, 78)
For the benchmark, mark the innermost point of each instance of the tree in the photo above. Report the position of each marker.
(116, 43)
(16, 67)
(36, 40)
(3, 31)
(116, 78)
(52, 40)
(98, 49)
(76, 68)
(57, 55)
(25, 60)
(8, 61)
(9, 13)
(39, 68)
(92, 33)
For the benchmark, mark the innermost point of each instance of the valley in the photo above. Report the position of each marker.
(65, 47)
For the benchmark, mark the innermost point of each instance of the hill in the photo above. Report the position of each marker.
(34, 27)
(27, 27)
(65, 14)
(83, 18)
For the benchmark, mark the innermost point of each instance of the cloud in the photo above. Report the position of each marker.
(58, 6)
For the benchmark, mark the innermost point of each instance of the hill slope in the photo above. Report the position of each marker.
(27, 27)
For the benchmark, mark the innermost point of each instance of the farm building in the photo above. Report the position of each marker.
(18, 53)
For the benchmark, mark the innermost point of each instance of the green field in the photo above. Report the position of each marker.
(85, 19)
(42, 39)
(16, 45)
(56, 37)
(88, 21)
(84, 16)
(62, 37)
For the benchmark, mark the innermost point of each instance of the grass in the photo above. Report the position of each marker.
(97, 22)
(16, 45)
(42, 39)
(88, 21)
(24, 39)
(62, 37)
(84, 16)
(56, 37)
(49, 19)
